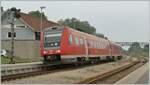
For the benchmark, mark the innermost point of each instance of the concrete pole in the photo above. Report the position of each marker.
(12, 38)
(41, 21)
(42, 7)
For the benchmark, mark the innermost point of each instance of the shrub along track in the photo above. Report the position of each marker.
(113, 76)
(50, 69)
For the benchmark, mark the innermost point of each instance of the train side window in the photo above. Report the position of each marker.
(97, 45)
(91, 44)
(88, 43)
(101, 44)
(70, 39)
(81, 41)
(76, 41)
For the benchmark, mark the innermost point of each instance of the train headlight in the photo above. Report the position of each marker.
(52, 44)
(56, 44)
(44, 52)
(58, 51)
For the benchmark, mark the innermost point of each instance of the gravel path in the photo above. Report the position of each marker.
(71, 76)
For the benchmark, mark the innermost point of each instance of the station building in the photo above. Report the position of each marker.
(27, 35)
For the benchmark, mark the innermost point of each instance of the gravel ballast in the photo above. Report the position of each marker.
(71, 76)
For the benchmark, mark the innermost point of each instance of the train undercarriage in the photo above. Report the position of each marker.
(57, 58)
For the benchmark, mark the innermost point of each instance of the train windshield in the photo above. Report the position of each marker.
(52, 39)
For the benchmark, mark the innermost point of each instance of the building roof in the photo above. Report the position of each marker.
(35, 22)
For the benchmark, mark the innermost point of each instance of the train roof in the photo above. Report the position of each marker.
(83, 33)
(115, 44)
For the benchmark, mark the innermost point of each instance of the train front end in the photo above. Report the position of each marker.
(50, 44)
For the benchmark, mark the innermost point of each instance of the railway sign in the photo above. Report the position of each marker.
(12, 14)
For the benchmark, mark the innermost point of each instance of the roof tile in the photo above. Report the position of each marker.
(35, 22)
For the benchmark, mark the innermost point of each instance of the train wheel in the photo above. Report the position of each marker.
(97, 60)
(113, 58)
(119, 57)
(92, 62)
(108, 58)
(45, 60)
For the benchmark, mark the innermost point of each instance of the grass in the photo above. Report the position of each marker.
(6, 60)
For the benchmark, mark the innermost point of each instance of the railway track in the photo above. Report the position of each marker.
(22, 71)
(113, 76)
(15, 71)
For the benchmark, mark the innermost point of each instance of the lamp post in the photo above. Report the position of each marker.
(41, 29)
(42, 7)
(74, 25)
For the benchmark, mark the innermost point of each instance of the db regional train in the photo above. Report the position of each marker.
(69, 45)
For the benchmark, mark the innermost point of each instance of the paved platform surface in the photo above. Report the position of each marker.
(139, 76)
(144, 79)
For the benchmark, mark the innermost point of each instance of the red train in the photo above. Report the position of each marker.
(69, 45)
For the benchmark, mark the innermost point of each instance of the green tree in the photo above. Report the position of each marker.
(136, 50)
(135, 47)
(100, 35)
(74, 23)
(146, 48)
(38, 14)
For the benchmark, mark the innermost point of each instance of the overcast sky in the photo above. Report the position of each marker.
(118, 20)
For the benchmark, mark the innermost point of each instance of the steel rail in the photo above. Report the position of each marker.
(41, 69)
(107, 74)
(12, 69)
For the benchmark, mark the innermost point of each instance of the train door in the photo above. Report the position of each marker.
(86, 48)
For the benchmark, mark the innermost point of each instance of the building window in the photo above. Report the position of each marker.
(37, 35)
(9, 34)
(70, 39)
(14, 34)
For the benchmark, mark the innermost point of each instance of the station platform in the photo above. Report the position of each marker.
(139, 76)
